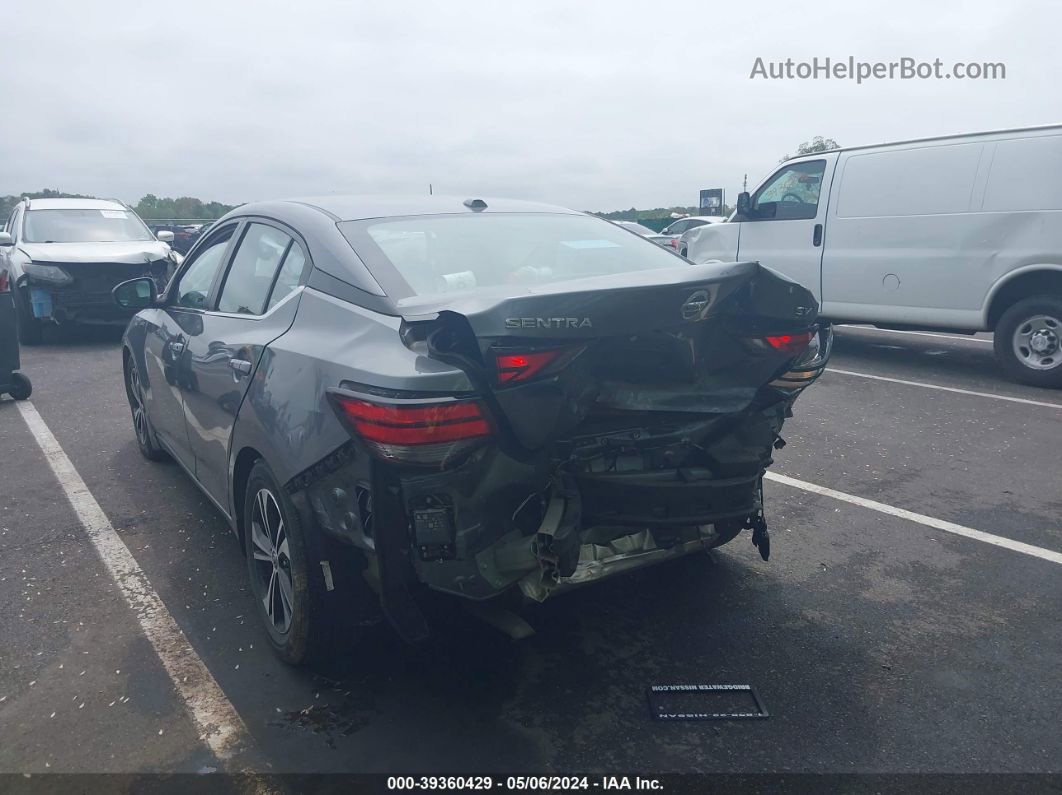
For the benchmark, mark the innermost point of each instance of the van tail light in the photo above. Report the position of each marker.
(424, 432)
(5, 284)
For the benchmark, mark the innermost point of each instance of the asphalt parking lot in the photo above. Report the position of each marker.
(878, 642)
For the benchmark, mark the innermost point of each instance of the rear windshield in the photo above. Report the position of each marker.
(83, 226)
(443, 253)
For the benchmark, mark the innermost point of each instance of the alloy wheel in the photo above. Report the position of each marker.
(272, 560)
(137, 404)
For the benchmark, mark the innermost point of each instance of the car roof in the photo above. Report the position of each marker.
(354, 208)
(75, 204)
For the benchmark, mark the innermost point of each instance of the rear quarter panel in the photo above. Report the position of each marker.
(286, 415)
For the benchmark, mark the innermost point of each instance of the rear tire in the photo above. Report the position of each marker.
(1028, 341)
(30, 329)
(288, 587)
(726, 531)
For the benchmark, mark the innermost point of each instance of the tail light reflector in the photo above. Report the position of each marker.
(523, 366)
(416, 433)
(789, 343)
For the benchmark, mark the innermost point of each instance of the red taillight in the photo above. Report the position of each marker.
(3, 282)
(790, 343)
(419, 433)
(522, 366)
(673, 243)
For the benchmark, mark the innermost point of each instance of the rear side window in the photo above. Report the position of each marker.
(932, 180)
(289, 276)
(250, 276)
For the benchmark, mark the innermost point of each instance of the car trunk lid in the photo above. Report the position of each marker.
(631, 348)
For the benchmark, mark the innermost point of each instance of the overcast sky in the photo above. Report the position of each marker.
(594, 105)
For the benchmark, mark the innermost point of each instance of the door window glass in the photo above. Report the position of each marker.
(791, 194)
(289, 276)
(193, 289)
(251, 275)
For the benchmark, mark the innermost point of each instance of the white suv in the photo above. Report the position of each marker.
(64, 256)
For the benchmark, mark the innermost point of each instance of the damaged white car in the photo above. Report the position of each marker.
(64, 257)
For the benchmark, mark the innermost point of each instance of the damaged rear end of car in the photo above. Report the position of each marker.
(610, 423)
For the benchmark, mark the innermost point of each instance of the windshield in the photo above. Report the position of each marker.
(84, 226)
(443, 253)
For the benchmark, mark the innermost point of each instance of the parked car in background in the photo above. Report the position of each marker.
(184, 235)
(638, 229)
(381, 398)
(959, 233)
(64, 256)
(671, 233)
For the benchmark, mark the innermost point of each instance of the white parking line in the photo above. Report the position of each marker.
(953, 337)
(928, 521)
(219, 725)
(1027, 402)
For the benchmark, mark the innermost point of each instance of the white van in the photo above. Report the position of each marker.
(962, 233)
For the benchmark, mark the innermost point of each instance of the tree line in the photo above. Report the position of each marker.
(150, 207)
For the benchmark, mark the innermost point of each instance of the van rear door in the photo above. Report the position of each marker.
(785, 227)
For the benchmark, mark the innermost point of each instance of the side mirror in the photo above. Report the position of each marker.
(5, 239)
(164, 236)
(139, 293)
(744, 204)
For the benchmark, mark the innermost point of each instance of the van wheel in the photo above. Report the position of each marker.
(289, 593)
(1028, 341)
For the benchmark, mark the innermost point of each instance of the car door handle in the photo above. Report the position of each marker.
(240, 366)
(816, 236)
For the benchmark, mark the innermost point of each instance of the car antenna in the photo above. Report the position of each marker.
(475, 204)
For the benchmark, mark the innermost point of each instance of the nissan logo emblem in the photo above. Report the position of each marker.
(696, 304)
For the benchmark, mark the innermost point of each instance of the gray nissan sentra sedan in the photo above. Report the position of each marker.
(388, 395)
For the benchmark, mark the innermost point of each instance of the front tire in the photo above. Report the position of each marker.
(146, 441)
(1028, 341)
(289, 593)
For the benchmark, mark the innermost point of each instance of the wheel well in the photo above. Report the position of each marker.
(1024, 286)
(240, 473)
